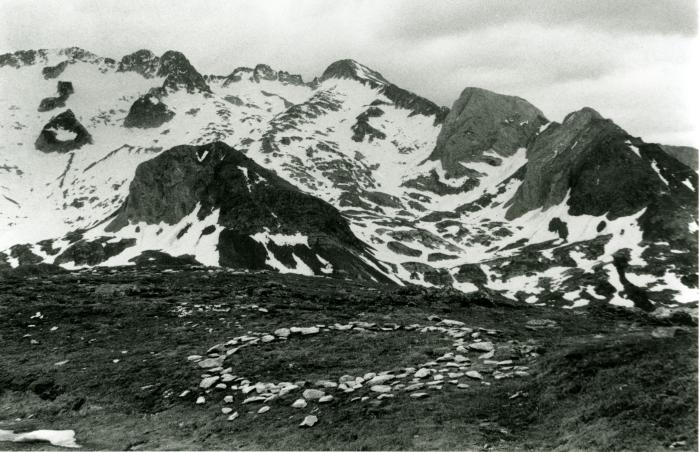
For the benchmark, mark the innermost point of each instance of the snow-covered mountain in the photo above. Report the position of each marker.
(107, 162)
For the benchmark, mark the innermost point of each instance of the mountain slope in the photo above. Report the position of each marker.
(486, 196)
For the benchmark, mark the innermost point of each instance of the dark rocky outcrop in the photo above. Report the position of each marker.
(143, 62)
(262, 72)
(65, 89)
(592, 158)
(362, 128)
(22, 58)
(249, 200)
(50, 72)
(49, 139)
(400, 248)
(174, 66)
(179, 73)
(684, 154)
(148, 111)
(94, 252)
(482, 121)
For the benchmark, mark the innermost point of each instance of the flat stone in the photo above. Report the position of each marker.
(254, 399)
(227, 378)
(233, 416)
(299, 403)
(462, 386)
(419, 395)
(448, 322)
(228, 399)
(474, 374)
(381, 388)
(282, 332)
(313, 394)
(200, 400)
(309, 421)
(325, 399)
(264, 409)
(267, 338)
(211, 362)
(208, 382)
(422, 373)
(481, 346)
(194, 357)
(379, 379)
(414, 387)
(226, 410)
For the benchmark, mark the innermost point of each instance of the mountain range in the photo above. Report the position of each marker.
(144, 161)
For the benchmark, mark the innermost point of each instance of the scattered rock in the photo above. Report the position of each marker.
(282, 332)
(326, 398)
(481, 346)
(381, 388)
(474, 374)
(313, 394)
(418, 395)
(299, 403)
(233, 416)
(200, 400)
(309, 421)
(264, 409)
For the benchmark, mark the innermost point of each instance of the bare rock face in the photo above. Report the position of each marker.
(50, 72)
(148, 111)
(143, 62)
(249, 200)
(482, 122)
(174, 66)
(684, 154)
(63, 133)
(605, 170)
(180, 74)
(65, 89)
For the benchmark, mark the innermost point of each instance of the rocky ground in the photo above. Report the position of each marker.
(195, 358)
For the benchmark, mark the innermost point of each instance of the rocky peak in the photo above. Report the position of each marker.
(179, 73)
(264, 72)
(599, 166)
(482, 122)
(351, 69)
(142, 61)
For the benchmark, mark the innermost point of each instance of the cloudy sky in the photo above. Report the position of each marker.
(632, 60)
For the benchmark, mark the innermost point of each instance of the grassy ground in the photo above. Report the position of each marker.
(602, 381)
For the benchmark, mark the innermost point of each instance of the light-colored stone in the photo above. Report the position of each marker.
(228, 399)
(211, 362)
(483, 346)
(379, 379)
(381, 388)
(208, 382)
(299, 403)
(313, 394)
(326, 398)
(309, 421)
(233, 416)
(264, 409)
(474, 374)
(282, 332)
(422, 373)
(418, 395)
(200, 400)
(226, 410)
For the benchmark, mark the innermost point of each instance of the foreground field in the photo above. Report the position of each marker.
(120, 356)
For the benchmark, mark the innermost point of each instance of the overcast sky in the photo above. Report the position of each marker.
(632, 60)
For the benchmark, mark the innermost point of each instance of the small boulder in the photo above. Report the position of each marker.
(309, 421)
(313, 394)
